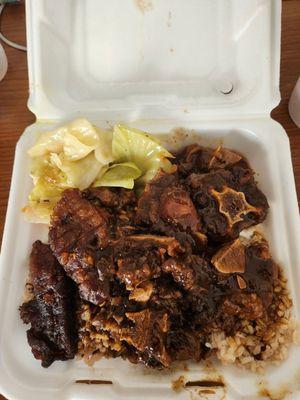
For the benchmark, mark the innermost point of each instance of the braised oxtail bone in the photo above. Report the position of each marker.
(234, 205)
(230, 258)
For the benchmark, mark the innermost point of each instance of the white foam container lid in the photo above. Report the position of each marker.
(156, 65)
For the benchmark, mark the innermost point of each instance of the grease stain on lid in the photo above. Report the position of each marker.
(207, 387)
(144, 5)
(169, 20)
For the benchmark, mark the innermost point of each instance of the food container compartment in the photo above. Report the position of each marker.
(82, 64)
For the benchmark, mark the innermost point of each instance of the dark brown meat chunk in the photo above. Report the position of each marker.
(148, 335)
(199, 159)
(222, 158)
(243, 305)
(250, 263)
(77, 228)
(191, 272)
(182, 273)
(76, 222)
(140, 257)
(51, 313)
(185, 344)
(83, 223)
(193, 158)
(121, 204)
(164, 199)
(165, 206)
(116, 198)
(261, 270)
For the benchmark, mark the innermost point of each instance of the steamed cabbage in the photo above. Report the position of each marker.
(80, 155)
(41, 167)
(120, 175)
(78, 174)
(71, 156)
(51, 175)
(134, 145)
(103, 152)
(38, 213)
(76, 140)
(42, 200)
(49, 182)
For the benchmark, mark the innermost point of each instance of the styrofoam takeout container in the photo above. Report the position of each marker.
(211, 66)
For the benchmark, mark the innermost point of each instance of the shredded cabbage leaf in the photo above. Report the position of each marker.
(78, 174)
(42, 200)
(76, 140)
(120, 175)
(49, 182)
(103, 152)
(38, 213)
(134, 145)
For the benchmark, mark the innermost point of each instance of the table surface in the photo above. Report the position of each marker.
(14, 115)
